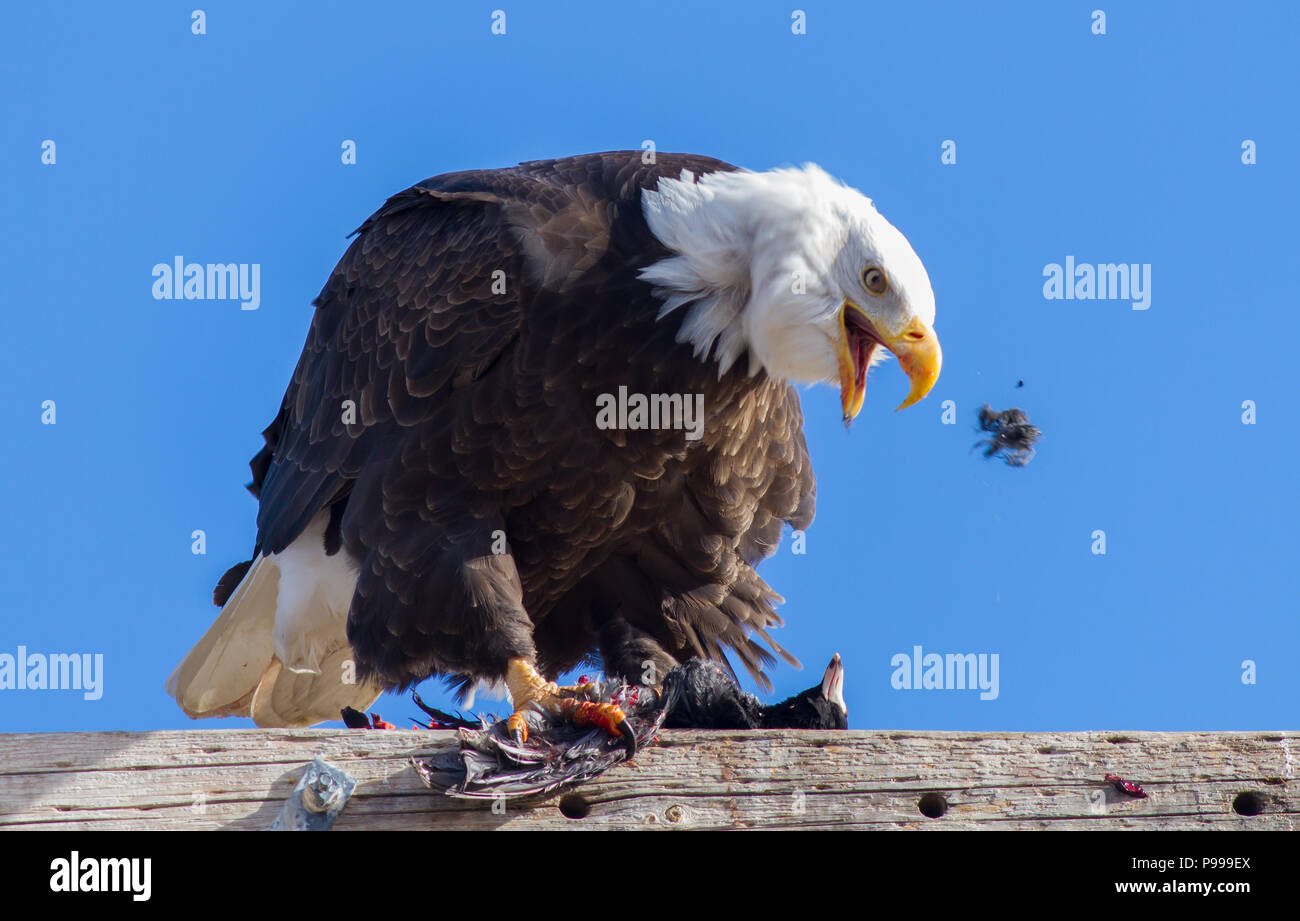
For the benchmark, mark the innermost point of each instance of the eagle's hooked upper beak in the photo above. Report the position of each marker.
(916, 346)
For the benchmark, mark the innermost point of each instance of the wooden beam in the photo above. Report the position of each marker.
(210, 779)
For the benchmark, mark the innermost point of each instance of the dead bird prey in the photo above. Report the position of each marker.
(698, 694)
(492, 761)
(1013, 437)
(701, 694)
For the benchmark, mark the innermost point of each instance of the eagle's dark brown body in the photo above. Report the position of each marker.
(475, 426)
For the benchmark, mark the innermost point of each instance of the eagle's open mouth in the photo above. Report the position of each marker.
(916, 347)
(859, 344)
(862, 345)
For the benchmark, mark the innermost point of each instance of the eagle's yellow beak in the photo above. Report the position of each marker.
(916, 346)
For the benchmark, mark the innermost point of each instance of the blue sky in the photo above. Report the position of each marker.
(1123, 147)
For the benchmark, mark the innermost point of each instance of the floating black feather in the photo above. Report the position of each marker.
(1012, 435)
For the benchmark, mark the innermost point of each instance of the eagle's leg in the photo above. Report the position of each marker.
(634, 655)
(530, 691)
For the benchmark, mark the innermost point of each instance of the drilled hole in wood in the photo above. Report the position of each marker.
(574, 806)
(1248, 803)
(933, 805)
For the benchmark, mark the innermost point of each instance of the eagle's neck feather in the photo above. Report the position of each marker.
(737, 238)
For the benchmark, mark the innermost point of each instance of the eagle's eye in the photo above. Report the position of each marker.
(873, 278)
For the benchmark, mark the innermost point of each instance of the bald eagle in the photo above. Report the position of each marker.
(446, 489)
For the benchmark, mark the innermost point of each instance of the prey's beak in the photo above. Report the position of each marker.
(833, 683)
(916, 347)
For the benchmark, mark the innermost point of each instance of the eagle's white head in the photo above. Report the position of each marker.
(798, 269)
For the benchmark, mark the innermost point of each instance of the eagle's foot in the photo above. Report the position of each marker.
(530, 692)
(607, 716)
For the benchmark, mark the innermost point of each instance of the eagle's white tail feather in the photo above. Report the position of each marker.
(278, 651)
(225, 666)
(311, 615)
(294, 699)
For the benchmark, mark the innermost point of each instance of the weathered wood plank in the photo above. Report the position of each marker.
(209, 779)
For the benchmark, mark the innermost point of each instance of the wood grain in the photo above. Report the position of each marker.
(210, 779)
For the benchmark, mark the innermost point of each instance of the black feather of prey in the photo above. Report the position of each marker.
(1012, 435)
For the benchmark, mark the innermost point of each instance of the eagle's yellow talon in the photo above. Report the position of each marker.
(517, 726)
(529, 690)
